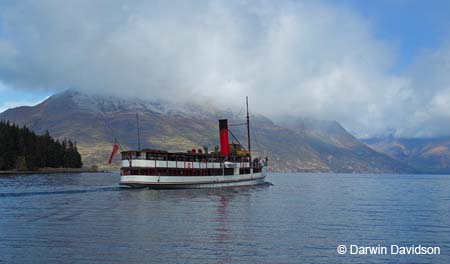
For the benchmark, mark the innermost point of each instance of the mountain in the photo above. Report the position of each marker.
(431, 155)
(298, 145)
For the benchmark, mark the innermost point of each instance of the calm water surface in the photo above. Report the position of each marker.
(301, 218)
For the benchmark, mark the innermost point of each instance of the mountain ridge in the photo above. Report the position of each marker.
(94, 120)
(426, 155)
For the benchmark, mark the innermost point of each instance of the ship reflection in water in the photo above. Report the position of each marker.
(300, 219)
(223, 230)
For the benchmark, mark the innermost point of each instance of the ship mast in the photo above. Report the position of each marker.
(248, 129)
(138, 136)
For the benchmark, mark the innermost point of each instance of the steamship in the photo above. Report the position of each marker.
(233, 165)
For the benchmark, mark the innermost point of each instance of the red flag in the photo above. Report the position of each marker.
(114, 151)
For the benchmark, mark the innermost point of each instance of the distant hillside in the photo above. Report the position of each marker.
(93, 120)
(430, 155)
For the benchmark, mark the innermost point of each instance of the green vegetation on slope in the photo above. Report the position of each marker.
(22, 149)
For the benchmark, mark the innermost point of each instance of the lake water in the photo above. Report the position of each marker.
(301, 218)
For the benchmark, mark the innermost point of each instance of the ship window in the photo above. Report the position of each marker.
(228, 171)
(244, 171)
(164, 172)
(161, 157)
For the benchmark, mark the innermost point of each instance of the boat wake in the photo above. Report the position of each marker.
(24, 194)
(96, 190)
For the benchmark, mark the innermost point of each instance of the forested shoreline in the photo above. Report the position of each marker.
(22, 149)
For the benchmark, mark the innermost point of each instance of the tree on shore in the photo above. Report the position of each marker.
(21, 148)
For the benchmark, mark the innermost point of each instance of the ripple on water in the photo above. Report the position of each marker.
(298, 218)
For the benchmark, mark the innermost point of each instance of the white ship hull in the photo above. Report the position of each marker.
(172, 182)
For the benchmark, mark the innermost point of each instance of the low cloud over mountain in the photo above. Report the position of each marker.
(314, 58)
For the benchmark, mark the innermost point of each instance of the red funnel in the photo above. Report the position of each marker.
(224, 144)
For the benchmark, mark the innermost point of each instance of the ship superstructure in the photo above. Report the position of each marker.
(233, 165)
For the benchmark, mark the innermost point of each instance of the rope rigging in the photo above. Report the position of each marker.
(109, 128)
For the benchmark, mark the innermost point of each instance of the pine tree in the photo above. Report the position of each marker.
(77, 159)
(21, 147)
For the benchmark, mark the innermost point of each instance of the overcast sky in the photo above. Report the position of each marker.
(378, 67)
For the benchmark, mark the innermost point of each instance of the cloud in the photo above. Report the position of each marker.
(428, 110)
(306, 58)
(2, 87)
